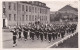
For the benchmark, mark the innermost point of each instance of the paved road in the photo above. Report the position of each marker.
(8, 43)
(69, 43)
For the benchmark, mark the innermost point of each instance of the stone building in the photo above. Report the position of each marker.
(24, 12)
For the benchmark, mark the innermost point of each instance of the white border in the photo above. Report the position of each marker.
(1, 47)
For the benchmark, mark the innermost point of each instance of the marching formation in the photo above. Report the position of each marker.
(42, 32)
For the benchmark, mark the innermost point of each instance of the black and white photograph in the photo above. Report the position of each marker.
(40, 24)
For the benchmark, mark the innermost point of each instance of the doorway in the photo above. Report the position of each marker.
(4, 25)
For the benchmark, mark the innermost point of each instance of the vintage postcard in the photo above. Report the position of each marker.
(40, 24)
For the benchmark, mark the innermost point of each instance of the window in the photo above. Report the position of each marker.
(42, 18)
(9, 5)
(33, 9)
(3, 3)
(22, 7)
(46, 11)
(46, 18)
(33, 18)
(4, 11)
(14, 6)
(26, 8)
(10, 17)
(26, 17)
(40, 10)
(14, 17)
(22, 17)
(29, 8)
(29, 17)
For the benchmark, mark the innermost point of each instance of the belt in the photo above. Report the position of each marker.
(32, 32)
(14, 35)
(50, 33)
(26, 31)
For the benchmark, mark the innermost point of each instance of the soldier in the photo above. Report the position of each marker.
(25, 33)
(62, 32)
(37, 33)
(73, 28)
(20, 30)
(41, 34)
(58, 31)
(45, 33)
(14, 37)
(67, 29)
(53, 33)
(49, 34)
(23, 30)
(32, 33)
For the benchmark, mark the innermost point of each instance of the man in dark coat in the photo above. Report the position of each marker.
(49, 34)
(62, 32)
(53, 33)
(32, 33)
(37, 33)
(45, 33)
(25, 33)
(14, 36)
(41, 34)
(19, 31)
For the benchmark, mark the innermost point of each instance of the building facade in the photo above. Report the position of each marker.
(25, 12)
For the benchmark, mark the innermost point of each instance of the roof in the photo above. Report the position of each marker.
(68, 7)
(31, 3)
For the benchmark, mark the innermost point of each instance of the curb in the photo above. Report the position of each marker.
(62, 40)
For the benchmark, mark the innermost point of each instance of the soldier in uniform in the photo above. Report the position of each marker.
(45, 33)
(72, 28)
(32, 33)
(25, 33)
(53, 36)
(14, 36)
(37, 33)
(62, 32)
(49, 34)
(20, 30)
(41, 34)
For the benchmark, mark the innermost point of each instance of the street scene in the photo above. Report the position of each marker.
(40, 24)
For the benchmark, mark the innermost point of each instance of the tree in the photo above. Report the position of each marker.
(57, 17)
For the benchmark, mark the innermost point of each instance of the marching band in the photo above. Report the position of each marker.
(42, 32)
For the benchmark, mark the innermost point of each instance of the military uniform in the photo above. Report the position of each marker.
(25, 33)
(62, 32)
(45, 33)
(49, 34)
(32, 33)
(53, 34)
(20, 30)
(41, 34)
(14, 37)
(37, 33)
